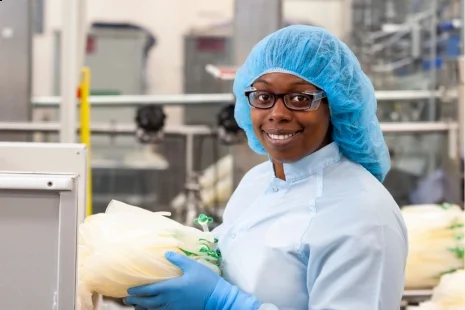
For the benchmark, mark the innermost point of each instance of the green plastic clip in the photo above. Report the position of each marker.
(203, 221)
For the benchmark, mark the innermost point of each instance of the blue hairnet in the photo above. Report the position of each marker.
(321, 59)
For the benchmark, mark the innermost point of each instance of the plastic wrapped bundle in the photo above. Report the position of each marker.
(436, 243)
(125, 247)
(449, 294)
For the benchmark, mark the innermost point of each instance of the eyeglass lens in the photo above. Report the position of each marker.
(264, 100)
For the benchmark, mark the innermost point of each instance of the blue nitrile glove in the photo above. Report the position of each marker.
(199, 288)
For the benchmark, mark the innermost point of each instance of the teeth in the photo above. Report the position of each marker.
(280, 137)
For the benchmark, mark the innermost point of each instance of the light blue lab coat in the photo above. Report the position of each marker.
(330, 237)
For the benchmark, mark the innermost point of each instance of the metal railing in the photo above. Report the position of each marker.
(130, 129)
(205, 99)
(114, 128)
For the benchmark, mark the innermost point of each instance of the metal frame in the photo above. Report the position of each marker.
(452, 128)
(130, 129)
(69, 70)
(202, 99)
(24, 157)
(53, 168)
(103, 128)
(66, 186)
(43, 182)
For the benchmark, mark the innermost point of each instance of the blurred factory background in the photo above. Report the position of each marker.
(163, 134)
(151, 54)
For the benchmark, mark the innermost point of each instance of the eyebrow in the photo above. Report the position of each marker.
(292, 84)
(301, 83)
(261, 81)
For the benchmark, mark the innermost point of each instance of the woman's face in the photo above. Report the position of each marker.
(289, 135)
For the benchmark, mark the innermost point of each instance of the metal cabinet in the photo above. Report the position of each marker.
(42, 187)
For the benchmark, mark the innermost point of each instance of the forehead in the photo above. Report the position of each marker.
(282, 82)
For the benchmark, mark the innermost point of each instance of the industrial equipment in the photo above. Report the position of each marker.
(229, 131)
(150, 121)
(42, 198)
(15, 64)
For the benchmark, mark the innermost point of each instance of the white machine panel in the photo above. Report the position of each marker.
(49, 158)
(39, 217)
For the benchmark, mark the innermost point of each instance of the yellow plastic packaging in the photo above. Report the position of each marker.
(436, 243)
(125, 247)
(449, 294)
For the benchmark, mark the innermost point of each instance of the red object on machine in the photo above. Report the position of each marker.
(222, 72)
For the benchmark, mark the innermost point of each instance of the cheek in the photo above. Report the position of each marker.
(256, 120)
(317, 125)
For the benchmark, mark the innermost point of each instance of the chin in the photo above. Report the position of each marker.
(284, 158)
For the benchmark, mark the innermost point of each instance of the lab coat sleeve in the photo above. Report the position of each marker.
(360, 269)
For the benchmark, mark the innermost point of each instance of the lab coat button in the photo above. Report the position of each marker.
(233, 236)
(275, 189)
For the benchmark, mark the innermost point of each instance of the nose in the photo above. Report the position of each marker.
(279, 113)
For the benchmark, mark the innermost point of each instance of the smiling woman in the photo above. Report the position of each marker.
(287, 117)
(313, 227)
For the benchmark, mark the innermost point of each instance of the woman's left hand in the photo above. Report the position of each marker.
(193, 289)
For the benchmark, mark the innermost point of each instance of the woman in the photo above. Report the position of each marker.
(313, 227)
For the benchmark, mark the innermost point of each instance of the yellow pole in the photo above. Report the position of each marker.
(85, 132)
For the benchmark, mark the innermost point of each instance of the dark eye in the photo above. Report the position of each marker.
(298, 98)
(263, 97)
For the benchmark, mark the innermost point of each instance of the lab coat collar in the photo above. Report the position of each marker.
(312, 163)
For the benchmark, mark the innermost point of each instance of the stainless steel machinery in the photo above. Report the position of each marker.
(42, 197)
(15, 63)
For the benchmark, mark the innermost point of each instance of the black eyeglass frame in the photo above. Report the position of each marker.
(317, 96)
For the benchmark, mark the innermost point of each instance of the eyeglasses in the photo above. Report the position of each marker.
(303, 101)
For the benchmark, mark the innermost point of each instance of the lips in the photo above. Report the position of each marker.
(281, 138)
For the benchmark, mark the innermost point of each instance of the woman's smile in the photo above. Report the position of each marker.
(280, 139)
